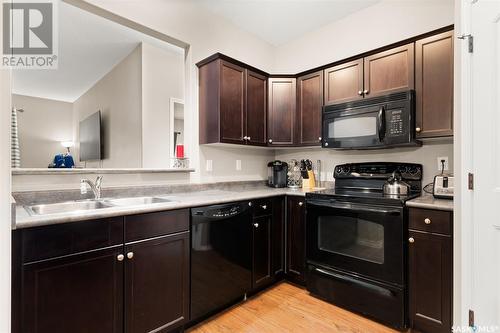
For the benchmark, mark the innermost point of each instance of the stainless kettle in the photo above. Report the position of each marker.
(395, 186)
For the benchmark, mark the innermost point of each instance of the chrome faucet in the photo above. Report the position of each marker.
(94, 186)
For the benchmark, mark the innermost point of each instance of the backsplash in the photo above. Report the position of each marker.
(426, 155)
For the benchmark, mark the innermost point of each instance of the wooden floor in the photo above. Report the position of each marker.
(287, 308)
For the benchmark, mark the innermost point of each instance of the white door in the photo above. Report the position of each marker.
(485, 108)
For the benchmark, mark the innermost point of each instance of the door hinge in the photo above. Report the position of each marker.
(470, 41)
(471, 181)
(471, 318)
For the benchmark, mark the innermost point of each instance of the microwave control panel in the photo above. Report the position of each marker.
(395, 122)
(398, 125)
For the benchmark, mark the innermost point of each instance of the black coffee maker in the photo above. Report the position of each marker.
(277, 173)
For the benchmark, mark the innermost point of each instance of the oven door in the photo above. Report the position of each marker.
(360, 239)
(355, 128)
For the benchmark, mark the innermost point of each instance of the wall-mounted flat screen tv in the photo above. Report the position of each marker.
(90, 138)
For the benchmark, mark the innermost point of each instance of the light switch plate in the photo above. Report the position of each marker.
(446, 166)
(238, 165)
(209, 165)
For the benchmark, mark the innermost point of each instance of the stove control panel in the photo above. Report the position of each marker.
(378, 170)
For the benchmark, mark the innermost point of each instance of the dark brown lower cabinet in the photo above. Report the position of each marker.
(91, 281)
(296, 239)
(80, 293)
(430, 280)
(157, 284)
(268, 241)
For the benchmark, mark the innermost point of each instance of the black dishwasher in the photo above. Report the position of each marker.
(221, 258)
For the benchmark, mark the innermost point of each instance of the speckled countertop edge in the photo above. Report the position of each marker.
(427, 201)
(182, 200)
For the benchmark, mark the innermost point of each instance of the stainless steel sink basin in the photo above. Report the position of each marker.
(66, 207)
(137, 201)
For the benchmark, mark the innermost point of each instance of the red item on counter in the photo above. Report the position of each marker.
(180, 151)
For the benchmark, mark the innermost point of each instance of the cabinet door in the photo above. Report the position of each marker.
(79, 294)
(434, 85)
(157, 284)
(309, 109)
(344, 82)
(256, 121)
(262, 273)
(278, 236)
(296, 239)
(430, 279)
(232, 102)
(389, 71)
(281, 112)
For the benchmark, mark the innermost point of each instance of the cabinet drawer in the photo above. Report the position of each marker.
(262, 207)
(62, 239)
(437, 221)
(144, 226)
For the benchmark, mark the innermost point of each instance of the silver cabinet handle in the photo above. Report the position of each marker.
(360, 92)
(411, 240)
(250, 204)
(256, 225)
(248, 138)
(301, 204)
(326, 144)
(418, 130)
(120, 257)
(130, 255)
(366, 92)
(270, 140)
(427, 221)
(264, 207)
(245, 138)
(319, 139)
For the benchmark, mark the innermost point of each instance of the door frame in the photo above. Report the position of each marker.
(463, 245)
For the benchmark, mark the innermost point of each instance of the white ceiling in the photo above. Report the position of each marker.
(89, 47)
(280, 21)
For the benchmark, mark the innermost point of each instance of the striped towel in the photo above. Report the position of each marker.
(15, 151)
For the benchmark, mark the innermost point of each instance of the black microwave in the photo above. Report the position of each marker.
(378, 122)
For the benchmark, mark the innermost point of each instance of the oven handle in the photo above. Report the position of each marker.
(381, 123)
(377, 289)
(338, 205)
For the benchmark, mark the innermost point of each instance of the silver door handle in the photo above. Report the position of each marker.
(248, 138)
(130, 255)
(366, 92)
(270, 140)
(245, 138)
(360, 92)
(120, 257)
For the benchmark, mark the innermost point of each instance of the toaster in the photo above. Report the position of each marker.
(443, 187)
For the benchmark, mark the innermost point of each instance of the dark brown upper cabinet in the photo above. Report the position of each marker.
(389, 71)
(281, 111)
(434, 85)
(309, 108)
(233, 102)
(344, 82)
(256, 109)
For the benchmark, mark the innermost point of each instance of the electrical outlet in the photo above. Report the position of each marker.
(439, 164)
(209, 165)
(238, 165)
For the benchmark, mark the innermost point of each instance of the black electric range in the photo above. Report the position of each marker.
(356, 240)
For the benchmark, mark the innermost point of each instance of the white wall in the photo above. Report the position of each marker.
(5, 180)
(206, 34)
(119, 97)
(43, 125)
(162, 79)
(381, 24)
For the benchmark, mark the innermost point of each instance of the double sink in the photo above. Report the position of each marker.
(86, 205)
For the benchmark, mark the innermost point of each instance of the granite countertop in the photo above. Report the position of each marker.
(181, 200)
(427, 201)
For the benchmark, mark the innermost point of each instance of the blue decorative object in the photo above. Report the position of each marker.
(64, 161)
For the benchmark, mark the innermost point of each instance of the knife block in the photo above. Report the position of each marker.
(310, 182)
